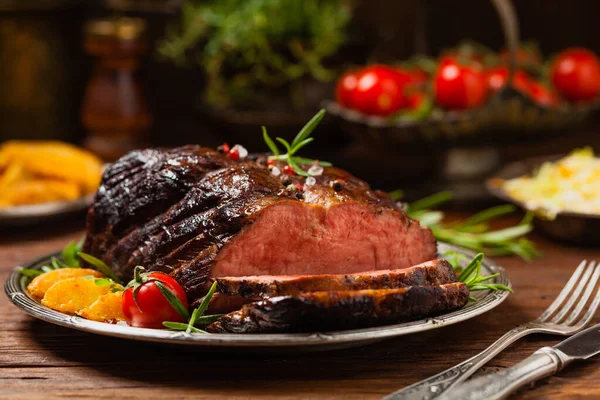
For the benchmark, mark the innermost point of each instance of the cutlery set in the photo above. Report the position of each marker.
(568, 315)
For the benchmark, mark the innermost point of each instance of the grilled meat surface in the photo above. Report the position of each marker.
(195, 214)
(429, 273)
(338, 310)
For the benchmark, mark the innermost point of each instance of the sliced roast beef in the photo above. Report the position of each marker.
(337, 310)
(435, 272)
(196, 214)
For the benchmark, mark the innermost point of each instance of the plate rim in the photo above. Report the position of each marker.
(17, 295)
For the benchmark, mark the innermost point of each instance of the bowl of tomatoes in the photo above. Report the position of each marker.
(467, 94)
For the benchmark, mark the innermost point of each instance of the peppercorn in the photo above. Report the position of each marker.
(337, 185)
(287, 181)
(224, 148)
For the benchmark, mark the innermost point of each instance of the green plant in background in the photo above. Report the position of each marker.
(247, 46)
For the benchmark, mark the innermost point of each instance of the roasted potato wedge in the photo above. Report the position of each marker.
(54, 160)
(38, 191)
(40, 284)
(74, 294)
(108, 308)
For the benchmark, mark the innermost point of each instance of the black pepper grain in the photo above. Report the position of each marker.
(337, 186)
(287, 181)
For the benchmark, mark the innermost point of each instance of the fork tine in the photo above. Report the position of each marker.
(564, 292)
(586, 295)
(574, 295)
(591, 311)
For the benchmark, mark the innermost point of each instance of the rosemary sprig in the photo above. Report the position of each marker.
(471, 274)
(99, 265)
(302, 139)
(197, 318)
(475, 233)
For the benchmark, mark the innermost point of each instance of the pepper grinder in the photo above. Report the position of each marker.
(115, 112)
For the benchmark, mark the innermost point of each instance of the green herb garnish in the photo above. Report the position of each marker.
(197, 318)
(475, 281)
(302, 139)
(475, 233)
(99, 265)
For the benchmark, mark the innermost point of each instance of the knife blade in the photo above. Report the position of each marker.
(543, 363)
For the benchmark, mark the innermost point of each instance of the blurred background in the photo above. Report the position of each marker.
(115, 75)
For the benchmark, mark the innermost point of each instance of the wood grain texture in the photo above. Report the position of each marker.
(40, 360)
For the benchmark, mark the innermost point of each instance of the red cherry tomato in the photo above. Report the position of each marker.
(542, 95)
(234, 154)
(496, 79)
(414, 100)
(576, 74)
(379, 90)
(459, 86)
(345, 87)
(152, 307)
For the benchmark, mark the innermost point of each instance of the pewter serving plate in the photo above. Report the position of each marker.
(33, 214)
(486, 300)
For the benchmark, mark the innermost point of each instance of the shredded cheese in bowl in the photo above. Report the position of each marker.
(569, 184)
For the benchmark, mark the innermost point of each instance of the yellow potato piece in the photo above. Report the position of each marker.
(74, 294)
(108, 308)
(13, 174)
(38, 191)
(56, 160)
(40, 284)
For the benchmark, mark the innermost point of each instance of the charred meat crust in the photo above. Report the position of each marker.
(338, 310)
(174, 210)
(435, 272)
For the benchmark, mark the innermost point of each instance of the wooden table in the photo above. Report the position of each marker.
(40, 360)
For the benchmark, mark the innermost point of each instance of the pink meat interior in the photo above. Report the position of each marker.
(297, 238)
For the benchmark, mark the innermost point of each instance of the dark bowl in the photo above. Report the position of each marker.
(569, 227)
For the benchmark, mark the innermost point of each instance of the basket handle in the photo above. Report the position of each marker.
(510, 27)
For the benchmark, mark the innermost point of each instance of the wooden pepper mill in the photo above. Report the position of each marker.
(114, 112)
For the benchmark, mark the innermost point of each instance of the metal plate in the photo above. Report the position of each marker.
(487, 300)
(37, 213)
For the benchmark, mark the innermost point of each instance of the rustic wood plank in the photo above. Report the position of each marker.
(39, 360)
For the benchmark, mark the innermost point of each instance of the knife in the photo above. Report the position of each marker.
(543, 363)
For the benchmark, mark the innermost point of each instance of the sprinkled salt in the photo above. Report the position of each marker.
(310, 181)
(241, 150)
(275, 171)
(315, 170)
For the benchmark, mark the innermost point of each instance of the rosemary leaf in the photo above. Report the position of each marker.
(100, 266)
(270, 143)
(296, 167)
(69, 255)
(429, 201)
(301, 145)
(486, 215)
(57, 264)
(173, 300)
(308, 128)
(30, 273)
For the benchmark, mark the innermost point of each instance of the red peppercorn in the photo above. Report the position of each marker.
(234, 154)
(224, 148)
(270, 162)
(299, 187)
(289, 170)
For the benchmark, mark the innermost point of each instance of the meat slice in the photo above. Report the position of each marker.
(337, 310)
(430, 273)
(196, 214)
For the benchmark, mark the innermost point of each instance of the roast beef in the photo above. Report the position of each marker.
(338, 310)
(435, 272)
(195, 214)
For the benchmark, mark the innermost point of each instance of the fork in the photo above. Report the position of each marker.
(558, 319)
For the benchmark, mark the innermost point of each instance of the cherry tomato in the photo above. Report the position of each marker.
(379, 90)
(414, 100)
(459, 86)
(345, 87)
(496, 79)
(575, 73)
(150, 308)
(542, 95)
